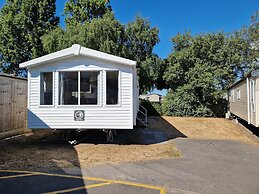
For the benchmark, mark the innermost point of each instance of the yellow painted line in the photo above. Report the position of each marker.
(80, 188)
(98, 185)
(66, 190)
(14, 176)
(161, 189)
(58, 175)
(107, 181)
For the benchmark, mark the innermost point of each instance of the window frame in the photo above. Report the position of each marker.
(252, 95)
(238, 94)
(233, 96)
(99, 88)
(99, 91)
(119, 89)
(53, 87)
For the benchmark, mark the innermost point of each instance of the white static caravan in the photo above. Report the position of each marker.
(243, 99)
(81, 88)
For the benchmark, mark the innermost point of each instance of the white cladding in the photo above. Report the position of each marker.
(101, 116)
(243, 98)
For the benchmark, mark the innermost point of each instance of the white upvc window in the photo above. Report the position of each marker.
(112, 87)
(89, 87)
(233, 95)
(238, 94)
(46, 88)
(79, 88)
(252, 95)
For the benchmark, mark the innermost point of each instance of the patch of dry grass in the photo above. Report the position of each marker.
(202, 128)
(26, 156)
(110, 154)
(30, 153)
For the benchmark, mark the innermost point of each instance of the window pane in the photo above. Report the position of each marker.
(233, 95)
(238, 94)
(68, 88)
(46, 89)
(89, 87)
(252, 90)
(112, 88)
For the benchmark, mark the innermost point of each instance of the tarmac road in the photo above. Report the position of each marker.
(207, 166)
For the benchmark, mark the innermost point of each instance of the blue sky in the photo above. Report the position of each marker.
(171, 16)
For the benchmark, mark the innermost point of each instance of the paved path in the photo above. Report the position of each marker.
(207, 166)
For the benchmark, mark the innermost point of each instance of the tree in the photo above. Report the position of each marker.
(152, 70)
(251, 35)
(134, 40)
(105, 34)
(22, 25)
(80, 11)
(141, 39)
(200, 70)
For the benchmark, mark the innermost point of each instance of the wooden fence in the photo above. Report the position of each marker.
(13, 105)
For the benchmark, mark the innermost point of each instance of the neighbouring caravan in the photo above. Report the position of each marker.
(244, 97)
(81, 88)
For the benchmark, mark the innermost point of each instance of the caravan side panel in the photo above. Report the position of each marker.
(257, 101)
(238, 104)
(135, 96)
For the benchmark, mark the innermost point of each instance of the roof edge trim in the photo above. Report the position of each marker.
(76, 50)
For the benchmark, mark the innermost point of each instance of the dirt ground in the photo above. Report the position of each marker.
(41, 151)
(202, 128)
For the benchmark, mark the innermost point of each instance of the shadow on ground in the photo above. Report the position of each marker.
(160, 124)
(34, 152)
(46, 150)
(158, 131)
(50, 151)
(253, 129)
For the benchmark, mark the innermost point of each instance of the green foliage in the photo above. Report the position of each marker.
(135, 41)
(140, 41)
(251, 35)
(197, 72)
(157, 107)
(153, 109)
(150, 73)
(80, 11)
(29, 30)
(202, 67)
(184, 102)
(200, 70)
(22, 25)
(103, 34)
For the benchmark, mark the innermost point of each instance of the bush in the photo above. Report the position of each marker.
(153, 109)
(184, 103)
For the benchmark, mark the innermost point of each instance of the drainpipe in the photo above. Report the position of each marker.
(248, 101)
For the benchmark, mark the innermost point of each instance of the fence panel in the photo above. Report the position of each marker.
(13, 105)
